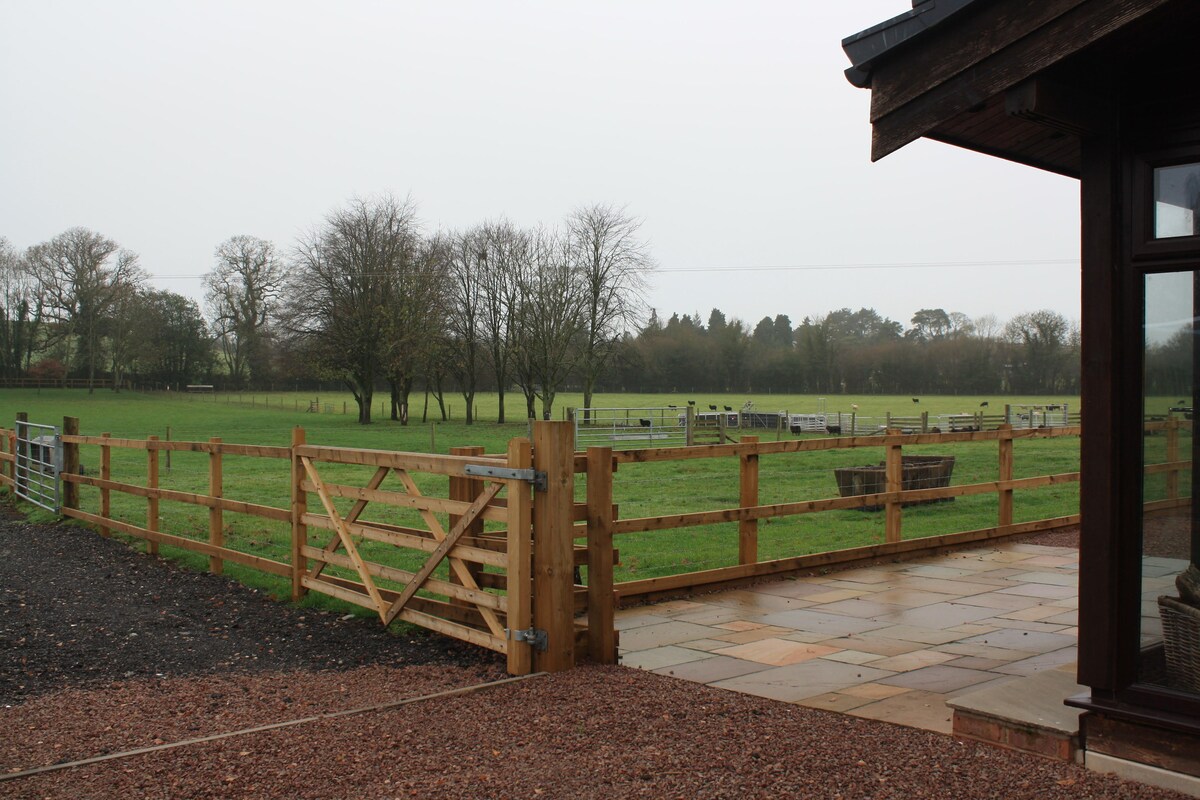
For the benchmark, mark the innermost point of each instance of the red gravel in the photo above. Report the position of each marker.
(594, 732)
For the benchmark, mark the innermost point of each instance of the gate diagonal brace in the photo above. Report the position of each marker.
(534, 637)
(538, 479)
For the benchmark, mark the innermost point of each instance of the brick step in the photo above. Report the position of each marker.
(1025, 714)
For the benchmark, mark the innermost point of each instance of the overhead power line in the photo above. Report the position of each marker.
(1036, 262)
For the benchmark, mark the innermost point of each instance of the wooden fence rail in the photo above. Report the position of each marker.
(489, 560)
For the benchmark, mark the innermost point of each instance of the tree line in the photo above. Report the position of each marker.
(366, 298)
(370, 299)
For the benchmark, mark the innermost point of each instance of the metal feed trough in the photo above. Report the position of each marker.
(38, 463)
(918, 472)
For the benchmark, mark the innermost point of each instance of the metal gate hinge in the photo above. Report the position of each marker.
(538, 479)
(535, 637)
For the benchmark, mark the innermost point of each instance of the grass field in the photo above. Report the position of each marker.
(640, 489)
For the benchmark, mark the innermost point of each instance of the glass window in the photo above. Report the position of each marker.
(1177, 201)
(1169, 547)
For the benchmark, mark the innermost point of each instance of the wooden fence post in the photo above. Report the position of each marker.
(1172, 457)
(1006, 474)
(216, 522)
(748, 496)
(520, 558)
(894, 472)
(466, 490)
(690, 422)
(70, 491)
(105, 475)
(602, 642)
(553, 544)
(21, 452)
(299, 509)
(924, 422)
(12, 450)
(152, 499)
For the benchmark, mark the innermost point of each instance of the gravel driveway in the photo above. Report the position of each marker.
(105, 649)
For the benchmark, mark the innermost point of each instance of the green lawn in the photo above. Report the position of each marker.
(640, 489)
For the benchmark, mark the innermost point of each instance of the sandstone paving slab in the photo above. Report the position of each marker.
(940, 678)
(874, 691)
(777, 652)
(626, 620)
(862, 608)
(939, 616)
(1003, 654)
(710, 670)
(917, 659)
(1052, 578)
(853, 657)
(806, 679)
(1033, 613)
(834, 701)
(658, 657)
(916, 709)
(913, 598)
(1041, 662)
(752, 603)
(819, 622)
(1025, 625)
(745, 637)
(1045, 590)
(663, 634)
(879, 645)
(705, 645)
(1000, 601)
(711, 615)
(916, 633)
(1023, 640)
(834, 595)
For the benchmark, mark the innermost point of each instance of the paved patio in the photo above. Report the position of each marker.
(890, 642)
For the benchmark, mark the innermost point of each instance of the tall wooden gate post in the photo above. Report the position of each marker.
(748, 497)
(553, 545)
(894, 472)
(70, 463)
(1006, 474)
(602, 643)
(105, 475)
(520, 558)
(20, 455)
(299, 509)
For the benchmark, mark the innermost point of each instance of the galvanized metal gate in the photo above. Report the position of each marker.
(37, 464)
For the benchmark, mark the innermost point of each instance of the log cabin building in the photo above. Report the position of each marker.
(1105, 91)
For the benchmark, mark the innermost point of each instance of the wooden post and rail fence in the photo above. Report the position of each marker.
(491, 555)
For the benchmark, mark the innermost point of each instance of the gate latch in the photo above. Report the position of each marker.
(538, 479)
(535, 637)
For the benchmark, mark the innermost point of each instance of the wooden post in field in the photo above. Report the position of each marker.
(105, 475)
(466, 490)
(748, 496)
(924, 422)
(216, 522)
(894, 473)
(152, 499)
(553, 544)
(299, 509)
(70, 465)
(520, 558)
(1172, 457)
(1006, 474)
(690, 422)
(21, 453)
(602, 642)
(12, 449)
(720, 428)
(168, 452)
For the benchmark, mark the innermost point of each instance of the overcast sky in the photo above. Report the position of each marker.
(728, 128)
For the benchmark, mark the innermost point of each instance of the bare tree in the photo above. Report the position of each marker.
(342, 287)
(550, 319)
(467, 264)
(21, 303)
(506, 252)
(240, 295)
(416, 316)
(83, 274)
(612, 264)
